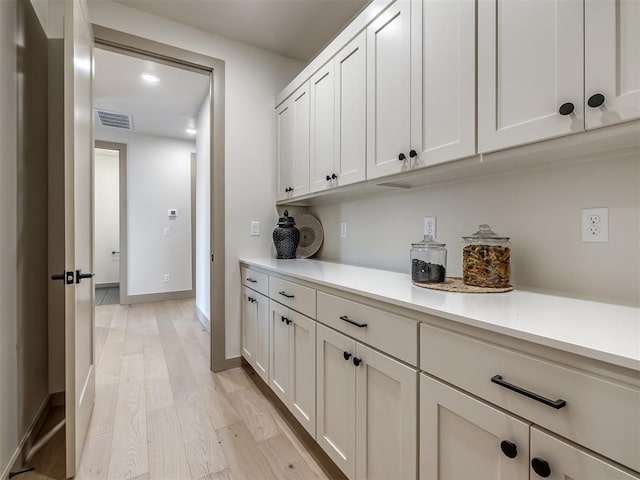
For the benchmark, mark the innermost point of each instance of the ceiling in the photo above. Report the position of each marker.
(294, 28)
(164, 109)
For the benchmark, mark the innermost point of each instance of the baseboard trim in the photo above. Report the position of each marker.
(108, 285)
(203, 318)
(157, 297)
(27, 438)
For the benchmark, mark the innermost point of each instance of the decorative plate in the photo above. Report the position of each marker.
(311, 235)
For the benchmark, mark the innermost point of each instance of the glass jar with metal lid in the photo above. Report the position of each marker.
(486, 259)
(428, 261)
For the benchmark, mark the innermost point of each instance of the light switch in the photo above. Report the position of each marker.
(255, 229)
(166, 231)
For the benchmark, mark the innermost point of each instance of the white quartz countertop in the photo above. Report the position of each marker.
(602, 331)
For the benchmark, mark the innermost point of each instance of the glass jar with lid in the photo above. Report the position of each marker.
(486, 259)
(428, 261)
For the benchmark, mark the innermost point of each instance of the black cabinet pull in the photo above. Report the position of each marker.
(334, 176)
(595, 100)
(80, 275)
(557, 404)
(357, 361)
(288, 321)
(401, 157)
(328, 178)
(283, 319)
(541, 467)
(413, 154)
(509, 448)
(284, 294)
(249, 279)
(344, 318)
(346, 355)
(288, 189)
(566, 108)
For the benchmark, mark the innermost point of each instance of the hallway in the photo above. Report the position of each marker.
(161, 414)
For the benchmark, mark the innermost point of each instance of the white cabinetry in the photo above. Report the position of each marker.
(612, 61)
(292, 363)
(293, 144)
(367, 409)
(443, 86)
(323, 118)
(255, 331)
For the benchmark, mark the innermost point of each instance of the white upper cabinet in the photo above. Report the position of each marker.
(530, 71)
(293, 150)
(389, 91)
(350, 66)
(323, 120)
(443, 89)
(612, 61)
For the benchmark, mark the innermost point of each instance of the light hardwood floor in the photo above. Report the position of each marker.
(160, 413)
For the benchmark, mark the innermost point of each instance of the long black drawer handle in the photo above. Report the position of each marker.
(284, 294)
(557, 404)
(348, 320)
(249, 279)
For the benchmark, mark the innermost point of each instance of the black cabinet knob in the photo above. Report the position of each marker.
(328, 178)
(402, 156)
(346, 355)
(334, 176)
(413, 154)
(357, 361)
(541, 467)
(566, 108)
(509, 448)
(595, 100)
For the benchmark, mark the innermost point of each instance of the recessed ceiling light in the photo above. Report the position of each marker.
(191, 131)
(150, 77)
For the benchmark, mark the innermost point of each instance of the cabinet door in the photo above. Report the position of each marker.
(350, 67)
(248, 316)
(301, 141)
(262, 336)
(302, 372)
(386, 416)
(612, 60)
(460, 437)
(284, 148)
(322, 86)
(336, 388)
(530, 62)
(443, 50)
(566, 461)
(389, 90)
(279, 322)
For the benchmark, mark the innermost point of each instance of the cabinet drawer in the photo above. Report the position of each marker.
(297, 297)
(255, 280)
(600, 414)
(395, 335)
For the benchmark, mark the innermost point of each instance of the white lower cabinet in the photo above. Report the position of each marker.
(255, 331)
(367, 411)
(292, 363)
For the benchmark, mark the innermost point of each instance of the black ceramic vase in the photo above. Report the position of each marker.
(286, 237)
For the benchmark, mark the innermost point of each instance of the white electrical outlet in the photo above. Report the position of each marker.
(430, 226)
(166, 231)
(595, 224)
(343, 230)
(167, 278)
(255, 229)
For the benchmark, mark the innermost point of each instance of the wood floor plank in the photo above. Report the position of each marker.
(108, 370)
(94, 463)
(133, 333)
(118, 326)
(244, 457)
(155, 364)
(148, 320)
(158, 393)
(234, 379)
(284, 459)
(217, 403)
(223, 475)
(256, 418)
(167, 457)
(129, 455)
(104, 409)
(132, 368)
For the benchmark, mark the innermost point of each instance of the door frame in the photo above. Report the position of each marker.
(115, 40)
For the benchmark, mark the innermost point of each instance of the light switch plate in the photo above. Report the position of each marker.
(255, 229)
(166, 231)
(343, 230)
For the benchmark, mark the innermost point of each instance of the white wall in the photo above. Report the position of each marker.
(158, 178)
(538, 208)
(253, 78)
(107, 216)
(203, 210)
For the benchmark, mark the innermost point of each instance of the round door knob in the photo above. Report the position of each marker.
(413, 154)
(595, 100)
(509, 448)
(541, 467)
(346, 355)
(566, 108)
(334, 176)
(357, 361)
(402, 156)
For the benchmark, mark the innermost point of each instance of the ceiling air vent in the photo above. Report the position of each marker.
(113, 119)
